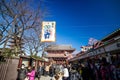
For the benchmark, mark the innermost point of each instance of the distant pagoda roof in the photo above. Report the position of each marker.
(59, 47)
(112, 35)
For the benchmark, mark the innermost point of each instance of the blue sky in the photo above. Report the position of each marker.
(79, 20)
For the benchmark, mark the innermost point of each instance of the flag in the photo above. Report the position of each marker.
(48, 31)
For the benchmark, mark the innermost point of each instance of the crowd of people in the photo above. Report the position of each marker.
(88, 70)
(98, 70)
(26, 73)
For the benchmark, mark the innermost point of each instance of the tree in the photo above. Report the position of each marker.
(33, 44)
(17, 17)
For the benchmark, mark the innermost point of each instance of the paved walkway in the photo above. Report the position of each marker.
(44, 78)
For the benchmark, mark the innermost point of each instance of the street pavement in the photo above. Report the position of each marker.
(44, 78)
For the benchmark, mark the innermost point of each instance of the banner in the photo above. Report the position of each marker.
(48, 31)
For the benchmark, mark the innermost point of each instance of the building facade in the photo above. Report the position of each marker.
(59, 54)
(108, 47)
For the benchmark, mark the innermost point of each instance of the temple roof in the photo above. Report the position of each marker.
(59, 47)
(112, 35)
(56, 55)
(59, 55)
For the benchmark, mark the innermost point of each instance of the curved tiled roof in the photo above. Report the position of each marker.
(113, 34)
(56, 55)
(59, 47)
(59, 55)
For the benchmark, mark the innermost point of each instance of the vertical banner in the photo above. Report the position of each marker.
(48, 31)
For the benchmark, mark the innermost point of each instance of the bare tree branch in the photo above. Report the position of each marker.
(18, 19)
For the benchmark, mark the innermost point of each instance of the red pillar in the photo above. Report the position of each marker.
(20, 62)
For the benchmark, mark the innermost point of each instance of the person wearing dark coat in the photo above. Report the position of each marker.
(22, 73)
(85, 72)
(39, 71)
(52, 71)
(74, 74)
(93, 72)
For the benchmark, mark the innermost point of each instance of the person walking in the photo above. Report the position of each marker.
(74, 75)
(66, 73)
(93, 72)
(39, 71)
(52, 71)
(47, 70)
(58, 76)
(104, 70)
(84, 72)
(31, 74)
(22, 73)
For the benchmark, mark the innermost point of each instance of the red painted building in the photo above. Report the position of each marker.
(59, 54)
